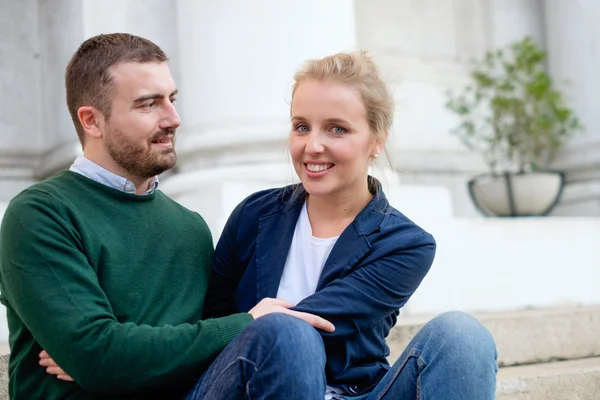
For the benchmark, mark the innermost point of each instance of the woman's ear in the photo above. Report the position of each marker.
(380, 143)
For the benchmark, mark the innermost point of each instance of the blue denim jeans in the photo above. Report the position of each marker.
(281, 357)
(452, 357)
(275, 357)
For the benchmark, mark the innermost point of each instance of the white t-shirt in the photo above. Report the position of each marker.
(303, 267)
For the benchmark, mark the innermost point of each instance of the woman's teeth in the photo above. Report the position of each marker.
(318, 167)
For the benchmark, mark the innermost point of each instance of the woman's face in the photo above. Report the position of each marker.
(331, 142)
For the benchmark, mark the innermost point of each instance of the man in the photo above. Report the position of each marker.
(108, 275)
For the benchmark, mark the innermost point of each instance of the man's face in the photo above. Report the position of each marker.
(140, 134)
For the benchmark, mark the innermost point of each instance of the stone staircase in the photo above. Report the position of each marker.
(551, 354)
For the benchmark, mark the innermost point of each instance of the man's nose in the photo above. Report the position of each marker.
(171, 119)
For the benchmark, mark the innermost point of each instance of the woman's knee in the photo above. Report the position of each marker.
(463, 332)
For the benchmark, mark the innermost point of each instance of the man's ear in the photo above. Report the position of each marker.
(91, 120)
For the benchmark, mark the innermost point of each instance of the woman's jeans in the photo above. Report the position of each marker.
(281, 357)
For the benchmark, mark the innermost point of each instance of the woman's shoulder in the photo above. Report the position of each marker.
(267, 201)
(399, 227)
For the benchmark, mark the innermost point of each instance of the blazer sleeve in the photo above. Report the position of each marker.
(373, 291)
(226, 270)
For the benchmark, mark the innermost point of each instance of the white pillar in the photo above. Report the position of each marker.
(573, 42)
(237, 60)
(425, 48)
(20, 121)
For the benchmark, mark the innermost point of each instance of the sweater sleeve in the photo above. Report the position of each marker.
(52, 287)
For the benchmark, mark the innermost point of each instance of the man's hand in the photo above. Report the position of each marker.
(268, 306)
(52, 368)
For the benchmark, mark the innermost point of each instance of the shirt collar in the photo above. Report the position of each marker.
(93, 171)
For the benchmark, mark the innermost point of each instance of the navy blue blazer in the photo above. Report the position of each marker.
(374, 267)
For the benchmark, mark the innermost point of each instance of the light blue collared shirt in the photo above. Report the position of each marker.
(90, 169)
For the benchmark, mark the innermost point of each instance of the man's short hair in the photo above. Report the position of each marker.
(88, 79)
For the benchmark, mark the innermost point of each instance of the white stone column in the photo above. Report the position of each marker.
(20, 120)
(573, 43)
(237, 59)
(425, 48)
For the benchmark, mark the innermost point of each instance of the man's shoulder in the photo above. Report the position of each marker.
(42, 193)
(179, 213)
(174, 205)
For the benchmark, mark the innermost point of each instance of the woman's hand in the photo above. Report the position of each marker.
(52, 368)
(268, 306)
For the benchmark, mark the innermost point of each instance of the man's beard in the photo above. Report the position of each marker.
(141, 161)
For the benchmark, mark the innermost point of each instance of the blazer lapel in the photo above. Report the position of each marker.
(275, 234)
(353, 243)
(348, 249)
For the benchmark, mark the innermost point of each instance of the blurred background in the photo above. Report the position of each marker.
(511, 241)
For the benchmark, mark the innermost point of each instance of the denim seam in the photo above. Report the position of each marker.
(223, 372)
(413, 353)
(422, 364)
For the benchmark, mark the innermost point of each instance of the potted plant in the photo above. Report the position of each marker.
(513, 115)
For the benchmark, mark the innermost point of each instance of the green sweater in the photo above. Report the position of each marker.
(112, 285)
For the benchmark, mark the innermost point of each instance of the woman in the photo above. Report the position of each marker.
(334, 246)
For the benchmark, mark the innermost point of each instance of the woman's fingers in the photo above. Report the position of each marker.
(314, 320)
(282, 303)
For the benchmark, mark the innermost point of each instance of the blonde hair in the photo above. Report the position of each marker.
(358, 70)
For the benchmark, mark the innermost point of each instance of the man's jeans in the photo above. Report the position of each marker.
(280, 357)
(275, 357)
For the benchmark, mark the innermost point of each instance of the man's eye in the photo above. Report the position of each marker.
(148, 105)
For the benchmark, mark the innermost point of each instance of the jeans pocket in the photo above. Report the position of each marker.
(388, 380)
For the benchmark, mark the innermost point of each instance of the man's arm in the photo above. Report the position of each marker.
(54, 290)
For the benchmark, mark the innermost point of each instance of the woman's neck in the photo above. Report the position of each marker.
(330, 215)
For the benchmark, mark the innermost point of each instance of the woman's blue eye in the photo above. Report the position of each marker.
(338, 130)
(302, 128)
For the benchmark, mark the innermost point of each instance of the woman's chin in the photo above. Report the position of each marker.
(317, 190)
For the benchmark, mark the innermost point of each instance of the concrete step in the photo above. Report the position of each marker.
(564, 380)
(524, 337)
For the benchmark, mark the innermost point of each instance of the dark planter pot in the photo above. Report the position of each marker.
(517, 195)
